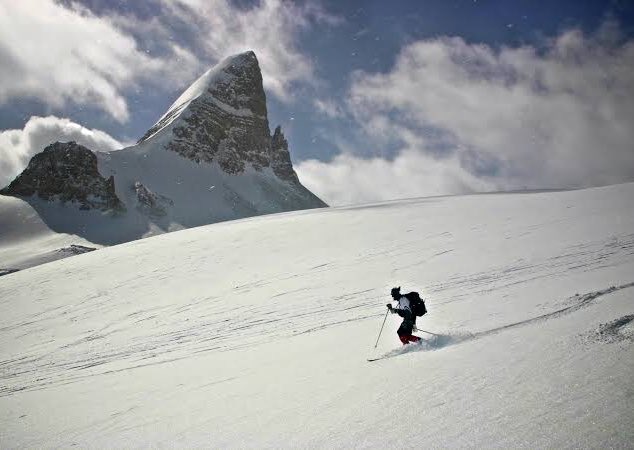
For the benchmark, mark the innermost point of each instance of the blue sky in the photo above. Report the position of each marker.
(379, 99)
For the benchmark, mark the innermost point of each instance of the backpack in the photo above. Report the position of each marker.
(416, 304)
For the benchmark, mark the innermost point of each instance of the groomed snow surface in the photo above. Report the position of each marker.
(256, 333)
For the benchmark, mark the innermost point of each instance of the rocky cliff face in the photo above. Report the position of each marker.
(281, 158)
(66, 172)
(223, 118)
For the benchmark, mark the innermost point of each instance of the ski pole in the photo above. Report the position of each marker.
(380, 331)
(428, 332)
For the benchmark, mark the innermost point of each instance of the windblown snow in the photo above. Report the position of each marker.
(256, 333)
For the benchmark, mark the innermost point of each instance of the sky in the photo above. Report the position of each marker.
(379, 100)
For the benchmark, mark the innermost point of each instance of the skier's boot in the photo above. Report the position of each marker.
(413, 338)
(406, 339)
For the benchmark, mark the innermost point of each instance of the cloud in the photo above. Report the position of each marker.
(65, 54)
(329, 108)
(523, 117)
(62, 52)
(18, 146)
(271, 28)
(349, 179)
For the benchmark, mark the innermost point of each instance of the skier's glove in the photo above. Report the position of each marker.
(389, 306)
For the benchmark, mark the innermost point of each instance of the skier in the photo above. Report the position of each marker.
(404, 310)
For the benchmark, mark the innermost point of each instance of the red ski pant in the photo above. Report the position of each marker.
(405, 330)
(409, 338)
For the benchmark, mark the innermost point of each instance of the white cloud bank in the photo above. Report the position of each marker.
(328, 108)
(18, 146)
(62, 55)
(484, 118)
(350, 180)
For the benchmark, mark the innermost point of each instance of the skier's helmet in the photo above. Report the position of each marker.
(396, 293)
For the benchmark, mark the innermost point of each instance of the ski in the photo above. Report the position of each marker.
(422, 345)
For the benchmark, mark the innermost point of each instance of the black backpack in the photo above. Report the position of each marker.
(416, 304)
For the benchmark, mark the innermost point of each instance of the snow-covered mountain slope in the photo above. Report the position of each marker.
(210, 158)
(26, 241)
(190, 194)
(256, 333)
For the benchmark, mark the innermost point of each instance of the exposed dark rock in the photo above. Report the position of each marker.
(226, 122)
(8, 271)
(229, 122)
(75, 249)
(281, 158)
(150, 203)
(66, 172)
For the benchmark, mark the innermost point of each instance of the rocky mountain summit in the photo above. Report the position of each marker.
(209, 158)
(222, 117)
(66, 172)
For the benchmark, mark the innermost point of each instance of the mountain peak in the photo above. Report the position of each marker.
(234, 85)
(221, 118)
(248, 58)
(210, 158)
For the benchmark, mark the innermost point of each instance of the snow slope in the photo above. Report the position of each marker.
(196, 194)
(26, 241)
(255, 333)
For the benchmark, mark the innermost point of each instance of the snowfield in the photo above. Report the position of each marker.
(256, 333)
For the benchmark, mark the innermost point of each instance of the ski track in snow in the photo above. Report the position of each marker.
(585, 257)
(56, 370)
(439, 341)
(171, 332)
(271, 319)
